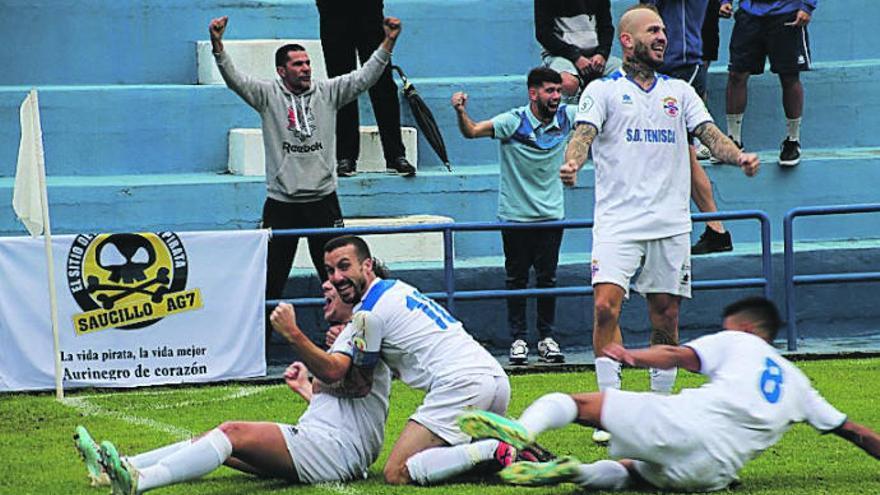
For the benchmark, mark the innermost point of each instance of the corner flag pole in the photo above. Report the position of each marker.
(31, 204)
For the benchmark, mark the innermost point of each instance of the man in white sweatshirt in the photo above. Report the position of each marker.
(299, 137)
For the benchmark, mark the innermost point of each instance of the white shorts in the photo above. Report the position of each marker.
(321, 455)
(665, 263)
(664, 439)
(445, 401)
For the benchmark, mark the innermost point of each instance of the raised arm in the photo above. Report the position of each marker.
(329, 368)
(466, 125)
(577, 151)
(725, 149)
(216, 30)
(657, 356)
(862, 436)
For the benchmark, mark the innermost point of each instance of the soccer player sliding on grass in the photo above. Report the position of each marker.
(696, 440)
(314, 450)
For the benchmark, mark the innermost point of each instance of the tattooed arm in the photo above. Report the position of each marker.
(724, 149)
(576, 152)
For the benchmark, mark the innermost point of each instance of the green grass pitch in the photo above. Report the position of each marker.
(37, 456)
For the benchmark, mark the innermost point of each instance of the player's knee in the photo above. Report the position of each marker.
(233, 430)
(570, 84)
(606, 311)
(737, 78)
(396, 474)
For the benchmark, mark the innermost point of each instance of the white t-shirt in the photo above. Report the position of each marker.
(753, 397)
(361, 419)
(420, 340)
(643, 178)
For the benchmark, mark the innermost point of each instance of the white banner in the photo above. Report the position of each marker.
(134, 309)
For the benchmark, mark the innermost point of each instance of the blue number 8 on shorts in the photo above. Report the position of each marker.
(771, 381)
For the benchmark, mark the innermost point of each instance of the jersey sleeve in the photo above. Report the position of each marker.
(695, 111)
(591, 108)
(505, 125)
(344, 343)
(820, 414)
(711, 351)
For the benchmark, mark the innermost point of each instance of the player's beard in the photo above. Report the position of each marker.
(643, 55)
(544, 109)
(358, 287)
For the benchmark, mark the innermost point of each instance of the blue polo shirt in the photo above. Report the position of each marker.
(531, 154)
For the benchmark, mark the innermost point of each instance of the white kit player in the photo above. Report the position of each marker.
(337, 438)
(429, 350)
(696, 440)
(638, 123)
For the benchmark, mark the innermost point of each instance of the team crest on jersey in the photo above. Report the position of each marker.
(128, 281)
(627, 100)
(670, 106)
(586, 104)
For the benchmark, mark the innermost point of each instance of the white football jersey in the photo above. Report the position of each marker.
(420, 340)
(362, 419)
(643, 178)
(754, 395)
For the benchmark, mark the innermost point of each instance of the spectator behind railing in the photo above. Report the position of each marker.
(776, 29)
(532, 141)
(683, 60)
(576, 36)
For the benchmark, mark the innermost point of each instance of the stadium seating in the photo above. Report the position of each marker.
(132, 139)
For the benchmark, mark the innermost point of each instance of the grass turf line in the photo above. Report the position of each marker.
(36, 432)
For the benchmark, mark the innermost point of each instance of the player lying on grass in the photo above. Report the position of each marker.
(430, 350)
(314, 450)
(696, 440)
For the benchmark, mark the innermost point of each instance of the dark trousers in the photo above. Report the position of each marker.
(523, 249)
(280, 215)
(349, 29)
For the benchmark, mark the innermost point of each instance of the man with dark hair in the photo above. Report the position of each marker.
(351, 31)
(427, 347)
(697, 440)
(640, 122)
(532, 140)
(776, 30)
(576, 36)
(299, 134)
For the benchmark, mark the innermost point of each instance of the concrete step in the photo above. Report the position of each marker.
(152, 41)
(255, 58)
(210, 201)
(247, 155)
(98, 130)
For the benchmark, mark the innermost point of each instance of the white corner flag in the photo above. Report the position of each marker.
(31, 203)
(29, 195)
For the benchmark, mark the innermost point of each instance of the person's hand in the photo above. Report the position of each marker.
(332, 333)
(217, 28)
(568, 173)
(392, 27)
(296, 376)
(459, 101)
(618, 353)
(597, 62)
(726, 10)
(583, 65)
(749, 163)
(800, 20)
(283, 319)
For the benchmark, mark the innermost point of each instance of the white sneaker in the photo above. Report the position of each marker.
(549, 352)
(601, 436)
(519, 352)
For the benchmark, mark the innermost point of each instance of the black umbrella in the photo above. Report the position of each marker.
(424, 118)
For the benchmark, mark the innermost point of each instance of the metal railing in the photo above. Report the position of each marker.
(448, 229)
(791, 280)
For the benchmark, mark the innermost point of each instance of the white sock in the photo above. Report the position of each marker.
(662, 381)
(607, 373)
(188, 463)
(603, 475)
(441, 463)
(147, 459)
(549, 412)
(794, 129)
(734, 126)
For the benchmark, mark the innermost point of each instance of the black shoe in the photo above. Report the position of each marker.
(346, 167)
(790, 155)
(712, 242)
(738, 144)
(400, 166)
